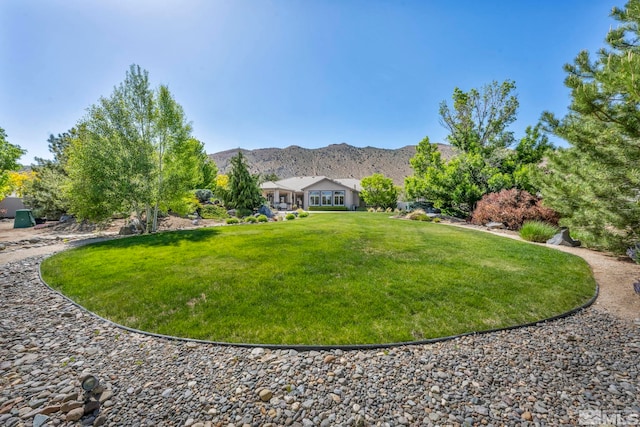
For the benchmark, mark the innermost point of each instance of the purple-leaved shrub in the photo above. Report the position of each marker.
(512, 208)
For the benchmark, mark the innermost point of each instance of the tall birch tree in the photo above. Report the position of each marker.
(134, 154)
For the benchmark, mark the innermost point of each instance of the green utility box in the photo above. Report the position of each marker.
(24, 219)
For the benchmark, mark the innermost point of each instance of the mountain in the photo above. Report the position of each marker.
(334, 161)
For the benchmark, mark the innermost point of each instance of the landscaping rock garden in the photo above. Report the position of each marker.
(551, 374)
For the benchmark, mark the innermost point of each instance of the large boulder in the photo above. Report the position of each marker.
(134, 227)
(264, 210)
(495, 225)
(563, 239)
(125, 231)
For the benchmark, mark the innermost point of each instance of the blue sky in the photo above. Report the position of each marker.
(274, 73)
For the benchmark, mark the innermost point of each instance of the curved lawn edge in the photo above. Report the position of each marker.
(307, 347)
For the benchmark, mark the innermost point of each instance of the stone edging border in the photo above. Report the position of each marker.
(304, 347)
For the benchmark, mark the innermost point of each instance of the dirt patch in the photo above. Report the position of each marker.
(71, 228)
(20, 243)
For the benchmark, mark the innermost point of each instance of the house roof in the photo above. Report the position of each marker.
(270, 185)
(350, 182)
(300, 183)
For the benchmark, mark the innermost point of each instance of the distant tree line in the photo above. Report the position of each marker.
(487, 157)
(134, 152)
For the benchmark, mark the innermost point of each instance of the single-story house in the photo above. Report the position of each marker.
(313, 192)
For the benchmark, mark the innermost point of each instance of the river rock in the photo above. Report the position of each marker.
(75, 414)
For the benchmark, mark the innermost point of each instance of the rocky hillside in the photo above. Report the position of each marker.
(336, 160)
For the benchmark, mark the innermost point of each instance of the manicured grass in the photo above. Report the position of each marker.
(330, 279)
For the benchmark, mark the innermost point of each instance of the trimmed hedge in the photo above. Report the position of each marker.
(328, 208)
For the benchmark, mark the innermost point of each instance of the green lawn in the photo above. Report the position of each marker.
(326, 279)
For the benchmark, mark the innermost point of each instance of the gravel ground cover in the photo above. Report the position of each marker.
(542, 375)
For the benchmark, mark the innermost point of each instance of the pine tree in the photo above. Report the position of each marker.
(45, 193)
(245, 194)
(595, 182)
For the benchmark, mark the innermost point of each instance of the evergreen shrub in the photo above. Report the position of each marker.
(213, 212)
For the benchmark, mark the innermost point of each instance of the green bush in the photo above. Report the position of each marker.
(588, 240)
(419, 215)
(250, 219)
(537, 231)
(436, 219)
(241, 213)
(290, 216)
(185, 206)
(303, 214)
(213, 212)
(37, 213)
(232, 220)
(416, 214)
(262, 218)
(203, 195)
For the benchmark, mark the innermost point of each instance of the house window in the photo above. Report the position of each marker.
(326, 198)
(314, 198)
(338, 198)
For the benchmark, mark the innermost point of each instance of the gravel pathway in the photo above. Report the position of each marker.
(543, 375)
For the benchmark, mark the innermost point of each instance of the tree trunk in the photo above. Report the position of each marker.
(147, 228)
(155, 218)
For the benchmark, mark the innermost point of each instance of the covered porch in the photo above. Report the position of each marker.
(282, 198)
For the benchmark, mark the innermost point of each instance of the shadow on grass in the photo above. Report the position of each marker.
(165, 238)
